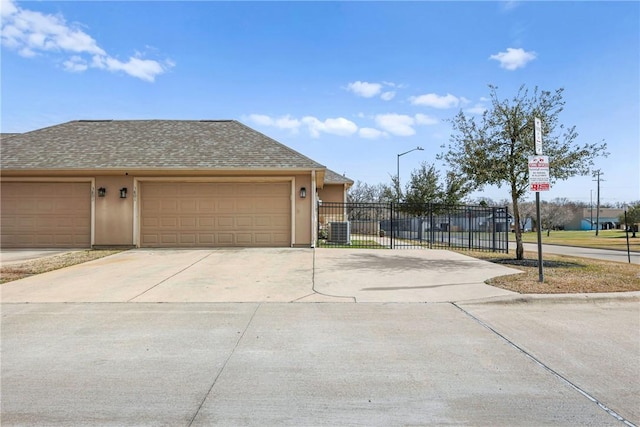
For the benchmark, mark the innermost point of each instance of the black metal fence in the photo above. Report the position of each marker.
(401, 225)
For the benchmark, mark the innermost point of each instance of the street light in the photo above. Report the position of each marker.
(398, 175)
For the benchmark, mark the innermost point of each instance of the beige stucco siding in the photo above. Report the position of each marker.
(332, 193)
(114, 215)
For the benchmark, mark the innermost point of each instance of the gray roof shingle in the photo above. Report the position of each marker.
(331, 177)
(149, 144)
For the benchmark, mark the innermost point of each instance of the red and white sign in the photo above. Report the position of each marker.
(539, 173)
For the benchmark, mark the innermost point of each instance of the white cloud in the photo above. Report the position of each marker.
(32, 33)
(423, 119)
(284, 122)
(371, 133)
(396, 124)
(75, 64)
(365, 89)
(513, 59)
(261, 119)
(336, 126)
(401, 124)
(388, 96)
(369, 90)
(435, 101)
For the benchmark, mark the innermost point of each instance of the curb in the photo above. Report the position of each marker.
(633, 296)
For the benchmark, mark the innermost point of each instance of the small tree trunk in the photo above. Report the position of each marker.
(548, 231)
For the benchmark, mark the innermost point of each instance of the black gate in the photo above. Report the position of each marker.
(401, 225)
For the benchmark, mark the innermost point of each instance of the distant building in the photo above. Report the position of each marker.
(586, 218)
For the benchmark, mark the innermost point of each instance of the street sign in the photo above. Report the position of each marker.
(537, 135)
(539, 173)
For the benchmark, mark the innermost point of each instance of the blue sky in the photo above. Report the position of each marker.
(349, 84)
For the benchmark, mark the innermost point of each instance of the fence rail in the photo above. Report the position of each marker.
(401, 225)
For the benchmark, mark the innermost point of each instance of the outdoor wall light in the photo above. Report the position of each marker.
(102, 192)
(123, 193)
(303, 192)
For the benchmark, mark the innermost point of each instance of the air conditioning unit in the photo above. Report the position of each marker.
(340, 232)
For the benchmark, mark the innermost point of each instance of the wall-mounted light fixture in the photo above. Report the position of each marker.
(102, 192)
(303, 192)
(123, 193)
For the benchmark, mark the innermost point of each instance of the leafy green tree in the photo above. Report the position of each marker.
(633, 217)
(494, 149)
(426, 186)
(423, 188)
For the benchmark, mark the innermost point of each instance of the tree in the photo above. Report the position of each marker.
(633, 217)
(361, 192)
(494, 149)
(527, 212)
(425, 186)
(556, 213)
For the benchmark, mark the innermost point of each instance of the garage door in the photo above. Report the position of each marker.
(215, 214)
(45, 214)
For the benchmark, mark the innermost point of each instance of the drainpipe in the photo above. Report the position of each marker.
(314, 210)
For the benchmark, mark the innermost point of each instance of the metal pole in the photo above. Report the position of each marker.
(398, 170)
(398, 180)
(539, 229)
(591, 206)
(626, 231)
(598, 203)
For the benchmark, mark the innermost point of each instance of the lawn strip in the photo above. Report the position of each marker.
(21, 270)
(563, 274)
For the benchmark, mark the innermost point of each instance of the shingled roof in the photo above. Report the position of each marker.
(331, 177)
(149, 144)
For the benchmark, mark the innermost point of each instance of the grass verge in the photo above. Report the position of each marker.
(369, 244)
(42, 265)
(563, 274)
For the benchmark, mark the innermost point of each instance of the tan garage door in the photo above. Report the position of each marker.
(45, 215)
(174, 214)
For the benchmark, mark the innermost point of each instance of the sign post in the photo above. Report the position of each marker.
(538, 181)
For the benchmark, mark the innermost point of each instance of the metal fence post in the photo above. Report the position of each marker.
(391, 222)
(506, 228)
(493, 226)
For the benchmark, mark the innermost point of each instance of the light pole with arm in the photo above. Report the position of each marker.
(398, 171)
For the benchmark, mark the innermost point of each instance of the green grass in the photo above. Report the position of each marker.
(354, 244)
(606, 239)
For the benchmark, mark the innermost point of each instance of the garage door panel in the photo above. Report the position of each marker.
(216, 214)
(45, 214)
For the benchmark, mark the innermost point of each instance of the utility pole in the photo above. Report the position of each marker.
(597, 174)
(591, 207)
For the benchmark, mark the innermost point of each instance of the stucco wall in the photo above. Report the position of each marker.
(114, 216)
(303, 211)
(332, 193)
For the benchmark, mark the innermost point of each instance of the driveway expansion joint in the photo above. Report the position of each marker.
(173, 275)
(224, 365)
(548, 368)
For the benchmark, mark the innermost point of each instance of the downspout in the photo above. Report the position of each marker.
(314, 210)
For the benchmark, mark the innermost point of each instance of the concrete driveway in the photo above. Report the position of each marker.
(314, 338)
(265, 275)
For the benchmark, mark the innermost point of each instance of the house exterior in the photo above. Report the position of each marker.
(591, 218)
(158, 183)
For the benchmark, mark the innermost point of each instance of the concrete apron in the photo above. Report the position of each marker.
(265, 275)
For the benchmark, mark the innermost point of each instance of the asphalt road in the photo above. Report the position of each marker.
(603, 254)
